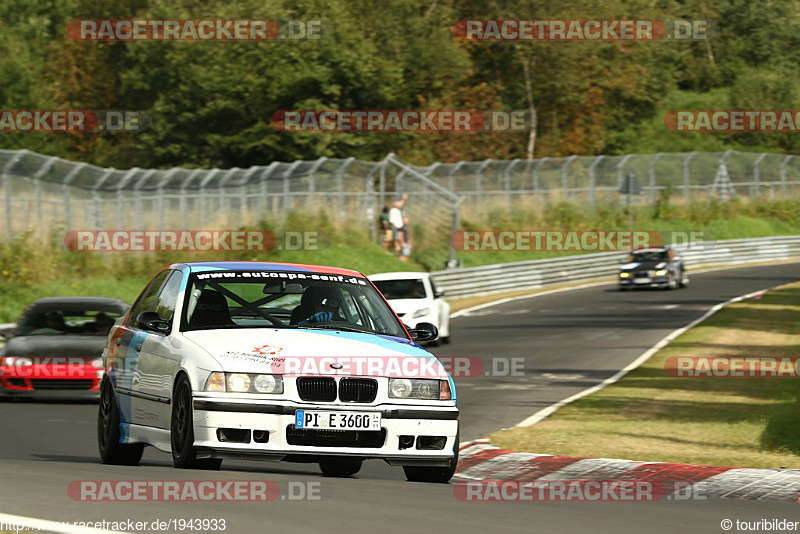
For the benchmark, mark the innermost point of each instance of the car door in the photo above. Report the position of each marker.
(158, 360)
(125, 348)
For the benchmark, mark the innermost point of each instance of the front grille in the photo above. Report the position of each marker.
(358, 389)
(373, 439)
(317, 389)
(641, 275)
(61, 384)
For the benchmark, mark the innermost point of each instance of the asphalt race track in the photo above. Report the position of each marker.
(570, 341)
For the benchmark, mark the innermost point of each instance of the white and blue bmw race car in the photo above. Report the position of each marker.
(274, 361)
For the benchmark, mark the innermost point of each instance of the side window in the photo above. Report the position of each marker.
(167, 299)
(147, 301)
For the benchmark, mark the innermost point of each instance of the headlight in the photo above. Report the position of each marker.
(268, 384)
(244, 383)
(404, 388)
(420, 313)
(661, 272)
(624, 275)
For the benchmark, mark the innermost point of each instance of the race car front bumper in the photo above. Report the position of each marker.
(409, 435)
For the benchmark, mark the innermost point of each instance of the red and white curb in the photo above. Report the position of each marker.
(481, 461)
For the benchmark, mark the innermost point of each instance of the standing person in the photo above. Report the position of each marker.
(397, 222)
(387, 235)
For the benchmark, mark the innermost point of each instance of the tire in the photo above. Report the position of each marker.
(111, 450)
(340, 467)
(182, 431)
(435, 475)
(446, 340)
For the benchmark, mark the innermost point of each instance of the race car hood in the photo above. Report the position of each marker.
(278, 351)
(405, 306)
(56, 346)
(643, 266)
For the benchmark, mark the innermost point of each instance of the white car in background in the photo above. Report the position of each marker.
(414, 298)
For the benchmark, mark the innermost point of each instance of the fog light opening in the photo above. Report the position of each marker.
(233, 435)
(431, 443)
(406, 442)
(261, 436)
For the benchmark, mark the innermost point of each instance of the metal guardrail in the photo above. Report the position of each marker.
(534, 274)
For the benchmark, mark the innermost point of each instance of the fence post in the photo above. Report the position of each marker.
(451, 176)
(340, 186)
(7, 188)
(507, 182)
(757, 174)
(65, 186)
(564, 183)
(287, 197)
(243, 197)
(652, 172)
(96, 204)
(312, 180)
(536, 180)
(37, 188)
(161, 207)
(184, 183)
(228, 175)
(783, 175)
(686, 190)
(137, 197)
(125, 179)
(593, 180)
(479, 181)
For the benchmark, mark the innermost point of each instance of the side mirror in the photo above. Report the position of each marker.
(152, 322)
(438, 294)
(424, 332)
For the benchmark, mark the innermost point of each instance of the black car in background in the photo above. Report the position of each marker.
(56, 345)
(653, 267)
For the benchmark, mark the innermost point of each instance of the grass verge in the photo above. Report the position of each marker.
(650, 416)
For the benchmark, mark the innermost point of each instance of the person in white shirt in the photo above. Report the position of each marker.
(398, 223)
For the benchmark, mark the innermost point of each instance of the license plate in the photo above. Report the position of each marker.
(641, 281)
(309, 420)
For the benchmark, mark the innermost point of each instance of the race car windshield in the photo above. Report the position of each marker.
(658, 255)
(55, 322)
(401, 289)
(267, 299)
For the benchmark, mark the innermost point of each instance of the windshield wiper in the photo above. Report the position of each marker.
(335, 327)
